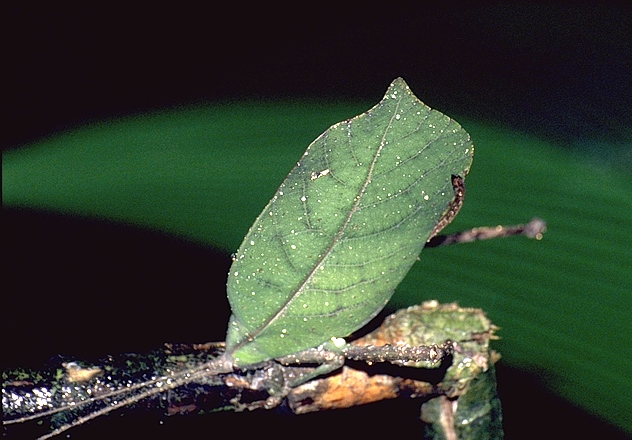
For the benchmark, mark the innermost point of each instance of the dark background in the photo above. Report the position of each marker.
(560, 71)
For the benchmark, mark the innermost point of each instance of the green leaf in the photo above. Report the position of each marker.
(465, 405)
(344, 228)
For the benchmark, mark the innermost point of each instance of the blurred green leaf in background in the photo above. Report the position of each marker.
(202, 174)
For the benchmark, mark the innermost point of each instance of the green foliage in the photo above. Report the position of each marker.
(344, 228)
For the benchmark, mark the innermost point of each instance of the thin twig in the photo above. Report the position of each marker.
(534, 229)
(398, 354)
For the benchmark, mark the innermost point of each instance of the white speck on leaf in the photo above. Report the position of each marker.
(315, 175)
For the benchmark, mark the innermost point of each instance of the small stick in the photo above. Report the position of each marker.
(395, 354)
(534, 229)
(399, 355)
